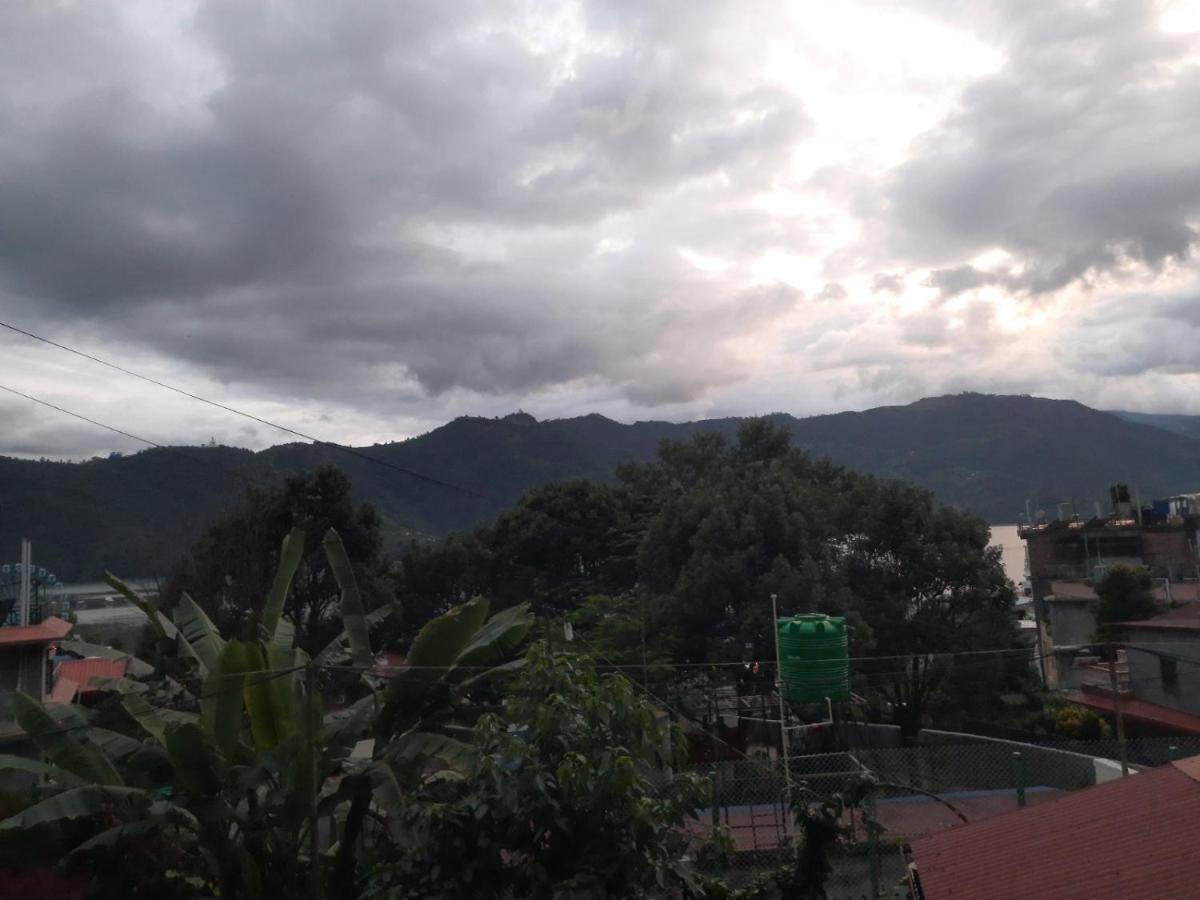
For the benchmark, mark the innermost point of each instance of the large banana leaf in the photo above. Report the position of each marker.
(140, 763)
(65, 741)
(10, 763)
(160, 623)
(441, 640)
(136, 668)
(433, 653)
(195, 761)
(285, 633)
(499, 638)
(346, 727)
(338, 650)
(152, 719)
(197, 629)
(117, 685)
(290, 554)
(352, 610)
(222, 703)
(161, 815)
(273, 699)
(89, 800)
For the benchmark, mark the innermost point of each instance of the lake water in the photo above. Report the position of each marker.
(1013, 549)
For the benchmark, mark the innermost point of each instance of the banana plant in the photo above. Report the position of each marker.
(233, 784)
(419, 726)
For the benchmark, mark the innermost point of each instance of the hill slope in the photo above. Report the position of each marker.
(986, 453)
(1187, 426)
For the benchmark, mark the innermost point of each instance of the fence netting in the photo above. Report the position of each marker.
(892, 796)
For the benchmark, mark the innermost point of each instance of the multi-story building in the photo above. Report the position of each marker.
(1157, 671)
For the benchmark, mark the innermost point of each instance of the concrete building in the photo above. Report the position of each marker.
(24, 650)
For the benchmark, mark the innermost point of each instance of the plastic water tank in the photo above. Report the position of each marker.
(814, 658)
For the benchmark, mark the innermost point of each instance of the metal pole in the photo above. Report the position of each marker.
(872, 842)
(1019, 776)
(783, 735)
(26, 565)
(1112, 681)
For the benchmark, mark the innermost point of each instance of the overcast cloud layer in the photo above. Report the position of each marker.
(364, 219)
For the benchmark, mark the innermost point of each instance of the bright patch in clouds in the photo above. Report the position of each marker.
(364, 220)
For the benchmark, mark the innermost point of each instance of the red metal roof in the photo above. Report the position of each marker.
(64, 690)
(1139, 710)
(1185, 616)
(51, 629)
(82, 671)
(1129, 838)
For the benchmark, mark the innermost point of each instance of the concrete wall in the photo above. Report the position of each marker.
(1070, 622)
(1147, 669)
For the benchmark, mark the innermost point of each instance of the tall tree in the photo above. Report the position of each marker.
(1126, 595)
(736, 523)
(228, 569)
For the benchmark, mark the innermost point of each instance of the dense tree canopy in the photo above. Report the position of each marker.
(696, 542)
(228, 569)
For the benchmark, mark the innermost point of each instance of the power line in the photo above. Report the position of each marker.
(235, 473)
(230, 409)
(84, 418)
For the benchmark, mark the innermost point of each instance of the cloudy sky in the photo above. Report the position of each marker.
(365, 219)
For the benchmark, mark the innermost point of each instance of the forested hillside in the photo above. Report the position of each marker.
(980, 452)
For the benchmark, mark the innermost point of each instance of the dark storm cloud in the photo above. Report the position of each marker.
(1079, 156)
(388, 193)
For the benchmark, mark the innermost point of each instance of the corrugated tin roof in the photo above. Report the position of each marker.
(64, 690)
(1129, 838)
(52, 629)
(1138, 710)
(82, 671)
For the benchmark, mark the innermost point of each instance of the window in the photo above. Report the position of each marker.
(1169, 671)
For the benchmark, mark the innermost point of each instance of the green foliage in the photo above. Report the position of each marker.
(567, 794)
(268, 546)
(1078, 723)
(1126, 595)
(973, 451)
(690, 548)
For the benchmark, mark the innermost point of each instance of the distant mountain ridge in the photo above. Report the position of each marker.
(982, 452)
(1187, 426)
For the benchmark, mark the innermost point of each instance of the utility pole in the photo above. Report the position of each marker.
(1112, 681)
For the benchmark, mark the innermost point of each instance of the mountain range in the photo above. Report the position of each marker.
(982, 452)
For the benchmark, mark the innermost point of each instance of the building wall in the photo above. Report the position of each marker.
(20, 670)
(1070, 622)
(1169, 554)
(1060, 552)
(1172, 681)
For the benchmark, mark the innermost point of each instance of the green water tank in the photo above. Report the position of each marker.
(814, 658)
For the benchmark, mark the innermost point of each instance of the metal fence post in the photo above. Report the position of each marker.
(872, 842)
(1019, 776)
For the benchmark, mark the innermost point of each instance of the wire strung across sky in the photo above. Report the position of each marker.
(222, 406)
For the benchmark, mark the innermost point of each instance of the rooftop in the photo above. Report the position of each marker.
(51, 629)
(1138, 710)
(1128, 838)
(82, 671)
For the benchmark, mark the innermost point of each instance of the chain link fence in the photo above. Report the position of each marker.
(908, 792)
